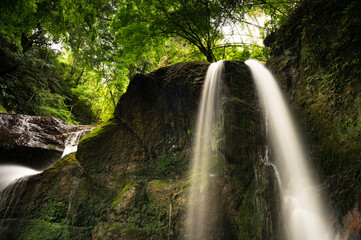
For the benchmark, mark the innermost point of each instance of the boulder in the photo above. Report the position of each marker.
(33, 141)
(129, 178)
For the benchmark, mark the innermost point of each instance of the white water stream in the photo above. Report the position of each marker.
(71, 143)
(12, 179)
(303, 213)
(10, 173)
(199, 223)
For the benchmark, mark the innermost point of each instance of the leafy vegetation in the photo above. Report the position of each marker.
(73, 59)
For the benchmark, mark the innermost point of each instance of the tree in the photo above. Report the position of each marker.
(277, 10)
(107, 42)
(199, 22)
(23, 22)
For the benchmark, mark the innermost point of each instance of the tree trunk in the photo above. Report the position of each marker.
(207, 53)
(210, 57)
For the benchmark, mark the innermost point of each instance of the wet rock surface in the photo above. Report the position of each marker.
(33, 141)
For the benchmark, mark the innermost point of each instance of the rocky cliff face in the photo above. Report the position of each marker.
(129, 178)
(316, 56)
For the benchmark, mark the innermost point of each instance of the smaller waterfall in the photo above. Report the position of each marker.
(9, 197)
(71, 143)
(303, 212)
(12, 180)
(202, 214)
(10, 173)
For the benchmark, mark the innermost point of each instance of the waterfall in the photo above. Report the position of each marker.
(303, 213)
(201, 215)
(12, 180)
(10, 173)
(71, 143)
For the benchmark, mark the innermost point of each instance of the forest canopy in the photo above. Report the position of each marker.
(73, 59)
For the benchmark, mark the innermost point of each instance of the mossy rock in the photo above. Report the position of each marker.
(2, 109)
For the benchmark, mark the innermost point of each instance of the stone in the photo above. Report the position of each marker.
(129, 178)
(33, 141)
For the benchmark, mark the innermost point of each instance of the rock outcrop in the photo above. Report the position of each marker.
(129, 177)
(316, 56)
(33, 141)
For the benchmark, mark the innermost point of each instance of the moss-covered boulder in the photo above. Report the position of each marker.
(129, 177)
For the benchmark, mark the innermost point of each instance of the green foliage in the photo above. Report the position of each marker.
(150, 23)
(43, 82)
(104, 43)
(56, 20)
(331, 66)
(40, 229)
(277, 11)
(36, 86)
(166, 165)
(163, 164)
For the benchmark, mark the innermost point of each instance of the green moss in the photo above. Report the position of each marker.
(98, 131)
(94, 199)
(52, 146)
(43, 230)
(108, 230)
(163, 164)
(40, 229)
(53, 210)
(341, 165)
(160, 183)
(94, 149)
(240, 100)
(2, 109)
(144, 218)
(148, 220)
(68, 159)
(168, 164)
(336, 136)
(120, 196)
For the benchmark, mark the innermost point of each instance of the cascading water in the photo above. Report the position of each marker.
(71, 143)
(12, 179)
(304, 217)
(10, 173)
(200, 215)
